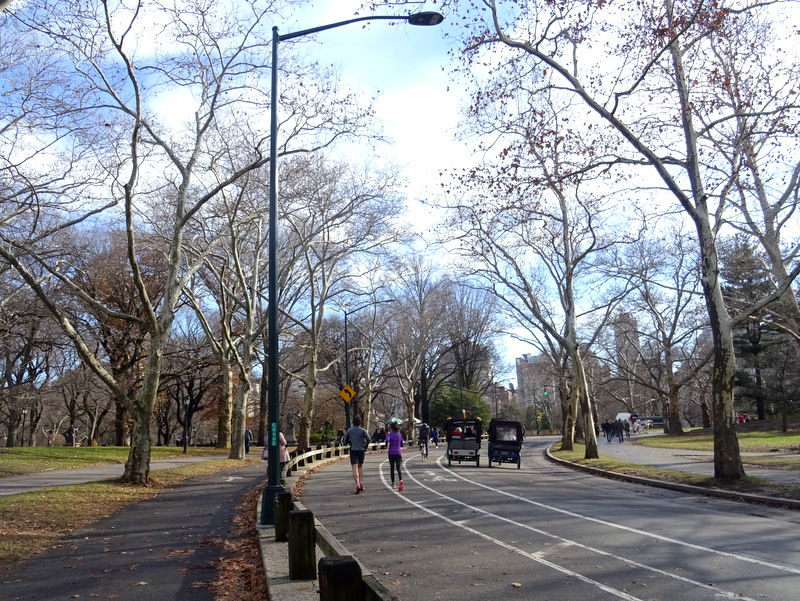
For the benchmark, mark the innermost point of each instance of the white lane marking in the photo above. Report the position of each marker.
(658, 537)
(553, 548)
(434, 477)
(539, 555)
(532, 556)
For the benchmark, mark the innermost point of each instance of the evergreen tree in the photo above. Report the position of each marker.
(745, 278)
(455, 402)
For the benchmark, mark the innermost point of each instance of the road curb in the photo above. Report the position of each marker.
(687, 488)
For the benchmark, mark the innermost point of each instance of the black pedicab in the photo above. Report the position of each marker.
(464, 440)
(505, 442)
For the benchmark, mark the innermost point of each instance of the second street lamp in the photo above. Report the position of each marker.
(346, 391)
(273, 486)
(185, 426)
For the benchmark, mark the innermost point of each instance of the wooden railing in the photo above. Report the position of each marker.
(299, 460)
(338, 568)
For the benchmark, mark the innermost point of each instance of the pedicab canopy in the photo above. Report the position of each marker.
(505, 431)
(400, 421)
(469, 427)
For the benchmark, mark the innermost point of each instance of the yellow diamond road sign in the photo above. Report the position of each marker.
(347, 393)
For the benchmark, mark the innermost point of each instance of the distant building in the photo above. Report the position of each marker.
(626, 341)
(534, 375)
(503, 397)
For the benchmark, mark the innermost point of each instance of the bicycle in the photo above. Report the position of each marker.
(423, 449)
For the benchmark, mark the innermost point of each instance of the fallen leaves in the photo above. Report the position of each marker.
(240, 572)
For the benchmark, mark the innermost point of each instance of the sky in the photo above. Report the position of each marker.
(407, 68)
(418, 105)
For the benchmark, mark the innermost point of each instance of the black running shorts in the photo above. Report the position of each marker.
(357, 457)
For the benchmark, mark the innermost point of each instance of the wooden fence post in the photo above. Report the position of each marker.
(283, 505)
(339, 579)
(302, 545)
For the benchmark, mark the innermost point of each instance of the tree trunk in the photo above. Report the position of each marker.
(568, 419)
(137, 467)
(425, 402)
(307, 415)
(674, 417)
(582, 399)
(225, 408)
(12, 424)
(704, 412)
(239, 418)
(410, 415)
(120, 427)
(727, 460)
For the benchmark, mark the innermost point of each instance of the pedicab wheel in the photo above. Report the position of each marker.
(449, 461)
(490, 462)
(519, 462)
(478, 462)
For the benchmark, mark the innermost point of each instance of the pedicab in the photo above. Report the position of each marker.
(505, 442)
(464, 440)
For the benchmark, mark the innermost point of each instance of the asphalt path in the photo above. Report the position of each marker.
(166, 548)
(548, 533)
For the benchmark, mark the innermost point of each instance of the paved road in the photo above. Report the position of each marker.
(548, 533)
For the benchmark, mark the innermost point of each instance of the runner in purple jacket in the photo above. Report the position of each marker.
(394, 443)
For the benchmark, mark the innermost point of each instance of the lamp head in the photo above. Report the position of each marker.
(425, 18)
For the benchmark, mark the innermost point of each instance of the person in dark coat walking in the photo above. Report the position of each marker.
(619, 430)
(248, 439)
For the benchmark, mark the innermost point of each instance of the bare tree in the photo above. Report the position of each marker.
(473, 323)
(659, 90)
(363, 363)
(668, 350)
(116, 155)
(232, 246)
(337, 217)
(416, 336)
(531, 230)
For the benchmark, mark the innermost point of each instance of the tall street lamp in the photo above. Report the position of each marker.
(185, 426)
(273, 486)
(22, 433)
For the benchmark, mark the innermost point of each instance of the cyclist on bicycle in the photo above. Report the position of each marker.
(424, 432)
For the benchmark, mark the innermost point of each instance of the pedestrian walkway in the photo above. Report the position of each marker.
(162, 549)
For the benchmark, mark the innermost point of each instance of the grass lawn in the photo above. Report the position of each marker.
(19, 461)
(745, 485)
(782, 448)
(762, 441)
